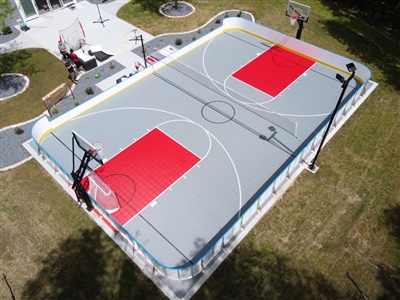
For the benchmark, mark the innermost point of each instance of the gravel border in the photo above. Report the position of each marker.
(12, 152)
(183, 9)
(12, 84)
(5, 38)
(188, 37)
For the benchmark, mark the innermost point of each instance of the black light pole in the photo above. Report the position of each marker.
(300, 30)
(352, 68)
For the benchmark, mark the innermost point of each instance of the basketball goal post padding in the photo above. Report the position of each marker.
(74, 35)
(56, 95)
(103, 194)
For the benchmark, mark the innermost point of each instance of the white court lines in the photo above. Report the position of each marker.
(252, 103)
(181, 118)
(255, 105)
(226, 87)
(258, 106)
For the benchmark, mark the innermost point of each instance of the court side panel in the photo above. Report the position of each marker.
(145, 169)
(274, 70)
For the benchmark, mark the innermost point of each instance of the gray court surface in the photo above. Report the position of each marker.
(244, 137)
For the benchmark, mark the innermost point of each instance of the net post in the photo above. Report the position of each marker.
(70, 90)
(56, 95)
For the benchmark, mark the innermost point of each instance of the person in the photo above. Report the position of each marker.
(63, 49)
(71, 70)
(137, 65)
(76, 60)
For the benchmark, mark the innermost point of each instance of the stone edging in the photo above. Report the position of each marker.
(202, 26)
(176, 17)
(23, 89)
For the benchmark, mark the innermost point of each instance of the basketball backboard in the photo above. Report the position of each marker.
(298, 10)
(87, 147)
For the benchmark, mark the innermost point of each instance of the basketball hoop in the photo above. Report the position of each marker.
(98, 145)
(293, 19)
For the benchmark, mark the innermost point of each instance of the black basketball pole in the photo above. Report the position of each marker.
(77, 176)
(300, 30)
(77, 186)
(299, 21)
(352, 68)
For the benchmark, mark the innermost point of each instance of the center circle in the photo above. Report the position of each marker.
(218, 112)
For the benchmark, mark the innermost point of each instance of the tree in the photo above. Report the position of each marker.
(151, 5)
(6, 9)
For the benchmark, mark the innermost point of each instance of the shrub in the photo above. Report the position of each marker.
(18, 130)
(178, 42)
(89, 90)
(54, 111)
(239, 14)
(76, 103)
(218, 21)
(6, 30)
(193, 38)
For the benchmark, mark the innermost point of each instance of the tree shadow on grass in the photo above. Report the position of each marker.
(382, 15)
(260, 274)
(89, 266)
(387, 275)
(132, 286)
(150, 5)
(393, 221)
(71, 271)
(17, 62)
(367, 44)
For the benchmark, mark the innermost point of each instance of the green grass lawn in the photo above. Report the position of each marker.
(45, 73)
(344, 218)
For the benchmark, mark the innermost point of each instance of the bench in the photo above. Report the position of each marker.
(87, 61)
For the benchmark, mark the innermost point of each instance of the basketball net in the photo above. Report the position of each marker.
(98, 145)
(293, 19)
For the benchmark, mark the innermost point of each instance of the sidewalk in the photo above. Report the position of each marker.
(43, 33)
(113, 37)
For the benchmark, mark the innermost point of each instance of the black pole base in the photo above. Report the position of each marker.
(101, 21)
(89, 209)
(300, 30)
(312, 168)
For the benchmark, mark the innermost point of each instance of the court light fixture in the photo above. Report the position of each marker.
(340, 78)
(351, 68)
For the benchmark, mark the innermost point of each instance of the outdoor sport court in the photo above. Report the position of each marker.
(195, 140)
